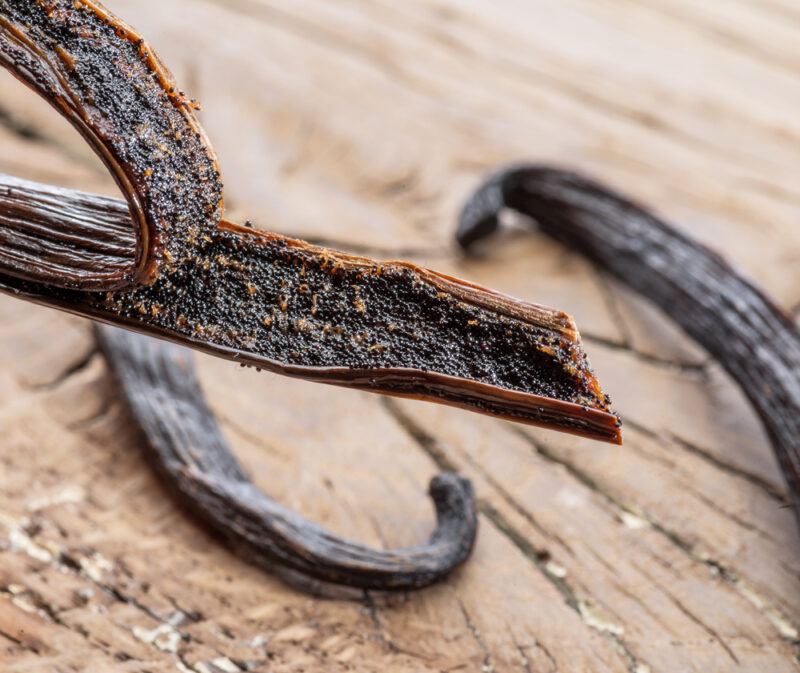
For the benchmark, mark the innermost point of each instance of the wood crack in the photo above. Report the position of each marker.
(523, 651)
(777, 619)
(381, 634)
(525, 662)
(626, 344)
(439, 456)
(696, 368)
(686, 611)
(488, 665)
(18, 642)
(612, 306)
(48, 612)
(765, 486)
(538, 558)
(74, 369)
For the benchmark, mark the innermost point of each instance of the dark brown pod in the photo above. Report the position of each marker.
(259, 298)
(167, 265)
(753, 339)
(186, 445)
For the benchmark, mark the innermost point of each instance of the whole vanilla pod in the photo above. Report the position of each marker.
(752, 338)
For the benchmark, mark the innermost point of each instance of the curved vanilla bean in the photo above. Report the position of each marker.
(753, 339)
(185, 442)
(259, 298)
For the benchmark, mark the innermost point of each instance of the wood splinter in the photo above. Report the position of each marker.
(167, 265)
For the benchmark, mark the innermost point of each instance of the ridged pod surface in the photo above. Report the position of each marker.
(166, 264)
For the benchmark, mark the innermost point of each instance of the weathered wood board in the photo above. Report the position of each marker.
(364, 123)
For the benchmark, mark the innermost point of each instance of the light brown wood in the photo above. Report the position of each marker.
(364, 124)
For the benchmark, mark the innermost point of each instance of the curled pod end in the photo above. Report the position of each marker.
(480, 216)
(737, 323)
(186, 444)
(456, 514)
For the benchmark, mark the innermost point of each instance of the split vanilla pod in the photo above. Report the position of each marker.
(165, 263)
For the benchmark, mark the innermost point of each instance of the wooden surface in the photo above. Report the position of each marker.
(364, 123)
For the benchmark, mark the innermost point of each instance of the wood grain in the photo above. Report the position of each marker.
(365, 124)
